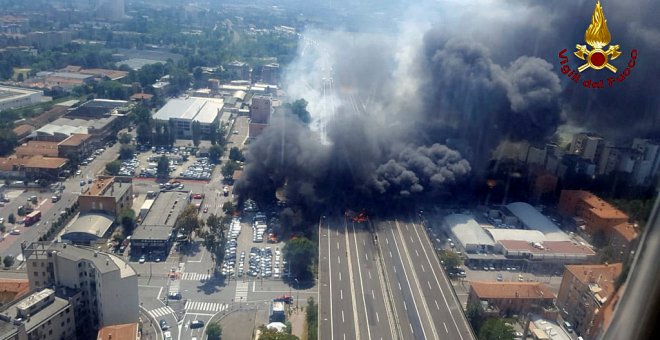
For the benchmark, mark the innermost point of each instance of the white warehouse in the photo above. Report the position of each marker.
(182, 112)
(469, 233)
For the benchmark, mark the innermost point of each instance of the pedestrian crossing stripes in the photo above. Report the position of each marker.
(158, 312)
(195, 276)
(205, 306)
(241, 292)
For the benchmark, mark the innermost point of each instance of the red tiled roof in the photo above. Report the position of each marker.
(626, 230)
(128, 331)
(141, 96)
(598, 206)
(38, 148)
(39, 162)
(23, 129)
(11, 290)
(549, 247)
(602, 274)
(75, 139)
(511, 290)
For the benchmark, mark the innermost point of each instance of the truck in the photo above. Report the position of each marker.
(32, 218)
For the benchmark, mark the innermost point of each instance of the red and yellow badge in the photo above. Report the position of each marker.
(598, 37)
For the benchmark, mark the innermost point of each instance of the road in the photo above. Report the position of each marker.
(384, 284)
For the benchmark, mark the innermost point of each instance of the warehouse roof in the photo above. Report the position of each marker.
(94, 225)
(511, 290)
(203, 110)
(467, 230)
(534, 220)
(516, 235)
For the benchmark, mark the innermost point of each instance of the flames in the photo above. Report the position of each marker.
(597, 35)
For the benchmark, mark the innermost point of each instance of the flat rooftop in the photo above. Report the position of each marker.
(534, 220)
(203, 110)
(103, 262)
(166, 208)
(152, 233)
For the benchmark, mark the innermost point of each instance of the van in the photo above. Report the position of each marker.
(568, 326)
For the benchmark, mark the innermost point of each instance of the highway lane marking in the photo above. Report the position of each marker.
(337, 245)
(411, 239)
(387, 241)
(332, 319)
(364, 302)
(369, 272)
(351, 279)
(342, 316)
(364, 243)
(436, 304)
(444, 298)
(399, 285)
(416, 253)
(411, 328)
(373, 296)
(390, 254)
(446, 330)
(377, 318)
(341, 294)
(366, 256)
(405, 306)
(338, 259)
(339, 276)
(429, 283)
(394, 269)
(423, 270)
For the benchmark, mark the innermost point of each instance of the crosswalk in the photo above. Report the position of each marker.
(205, 306)
(241, 291)
(158, 312)
(195, 276)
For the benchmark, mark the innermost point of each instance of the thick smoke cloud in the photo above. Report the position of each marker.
(412, 115)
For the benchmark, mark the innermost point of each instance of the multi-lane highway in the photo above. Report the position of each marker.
(383, 280)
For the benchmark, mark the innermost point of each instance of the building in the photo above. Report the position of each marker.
(597, 214)
(508, 298)
(108, 195)
(37, 148)
(17, 97)
(466, 231)
(32, 167)
(588, 146)
(77, 145)
(88, 228)
(623, 240)
(647, 166)
(181, 113)
(23, 131)
(48, 39)
(154, 237)
(603, 318)
(129, 331)
(261, 110)
(108, 284)
(270, 73)
(584, 291)
(40, 315)
(531, 219)
(12, 290)
(239, 70)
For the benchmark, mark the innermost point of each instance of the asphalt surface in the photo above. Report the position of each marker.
(383, 281)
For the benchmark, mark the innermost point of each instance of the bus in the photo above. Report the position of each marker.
(32, 218)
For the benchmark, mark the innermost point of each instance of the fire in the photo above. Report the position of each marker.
(597, 35)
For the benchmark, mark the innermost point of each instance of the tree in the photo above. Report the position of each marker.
(125, 138)
(188, 221)
(475, 316)
(229, 168)
(300, 252)
(127, 218)
(450, 259)
(312, 319)
(236, 155)
(273, 334)
(11, 218)
(143, 132)
(20, 78)
(196, 131)
(213, 134)
(8, 141)
(228, 208)
(496, 329)
(113, 168)
(214, 332)
(163, 166)
(126, 151)
(8, 261)
(215, 153)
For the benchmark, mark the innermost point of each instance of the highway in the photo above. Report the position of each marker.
(384, 284)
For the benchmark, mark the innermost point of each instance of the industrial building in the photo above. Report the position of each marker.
(261, 110)
(532, 219)
(88, 228)
(154, 237)
(182, 112)
(106, 283)
(508, 298)
(17, 97)
(469, 233)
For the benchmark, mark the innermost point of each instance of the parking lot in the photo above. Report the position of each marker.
(183, 163)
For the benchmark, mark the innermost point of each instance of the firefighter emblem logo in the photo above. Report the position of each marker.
(597, 36)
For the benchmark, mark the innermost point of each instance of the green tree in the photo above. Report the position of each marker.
(126, 151)
(73, 158)
(229, 168)
(300, 253)
(143, 132)
(475, 316)
(112, 168)
(215, 153)
(214, 332)
(312, 311)
(125, 138)
(213, 134)
(127, 218)
(188, 221)
(236, 155)
(11, 218)
(8, 261)
(273, 334)
(228, 208)
(196, 131)
(163, 169)
(8, 141)
(450, 259)
(496, 329)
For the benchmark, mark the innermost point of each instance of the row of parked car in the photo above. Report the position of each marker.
(201, 169)
(229, 264)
